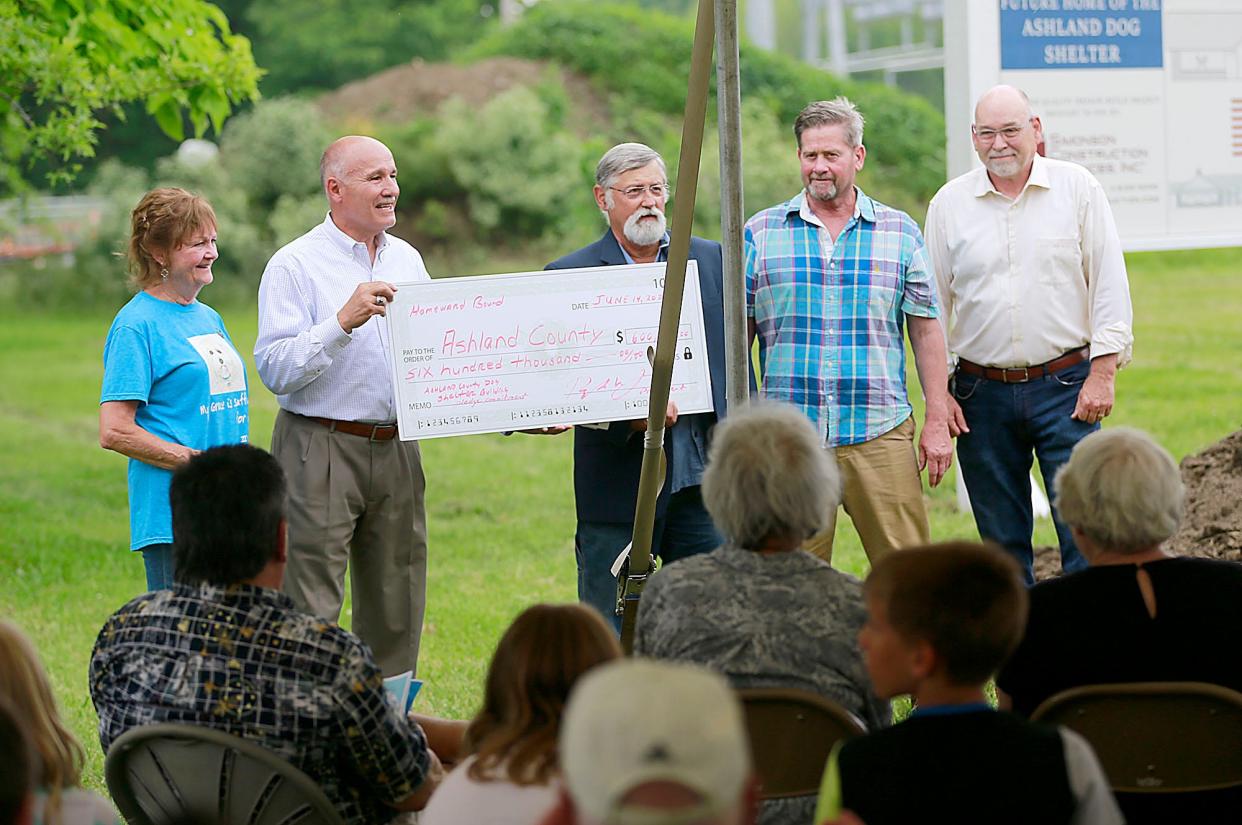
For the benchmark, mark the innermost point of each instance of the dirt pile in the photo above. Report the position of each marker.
(1212, 525)
(418, 88)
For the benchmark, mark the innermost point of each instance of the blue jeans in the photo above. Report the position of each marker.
(158, 559)
(1009, 422)
(684, 530)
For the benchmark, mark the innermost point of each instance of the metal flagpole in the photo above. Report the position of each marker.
(638, 568)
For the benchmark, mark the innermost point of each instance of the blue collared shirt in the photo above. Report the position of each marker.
(830, 319)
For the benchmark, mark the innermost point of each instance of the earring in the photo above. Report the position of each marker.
(164, 273)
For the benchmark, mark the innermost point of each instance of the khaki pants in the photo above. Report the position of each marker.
(881, 492)
(358, 502)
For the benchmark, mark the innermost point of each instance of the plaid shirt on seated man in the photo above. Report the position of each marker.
(245, 661)
(225, 649)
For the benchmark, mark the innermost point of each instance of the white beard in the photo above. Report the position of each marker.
(1003, 167)
(645, 233)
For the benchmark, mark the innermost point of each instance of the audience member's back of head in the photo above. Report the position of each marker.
(768, 476)
(228, 504)
(17, 769)
(966, 600)
(646, 741)
(24, 685)
(1121, 490)
(536, 664)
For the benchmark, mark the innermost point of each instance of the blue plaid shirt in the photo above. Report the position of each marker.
(830, 325)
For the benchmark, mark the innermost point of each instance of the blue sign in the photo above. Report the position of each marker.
(1081, 34)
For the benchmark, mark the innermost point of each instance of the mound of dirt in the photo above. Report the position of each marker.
(1212, 525)
(418, 88)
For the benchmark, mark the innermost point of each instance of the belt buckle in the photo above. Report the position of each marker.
(1026, 375)
(374, 430)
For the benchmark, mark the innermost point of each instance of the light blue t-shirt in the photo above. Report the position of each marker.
(180, 365)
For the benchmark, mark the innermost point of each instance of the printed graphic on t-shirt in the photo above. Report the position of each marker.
(223, 363)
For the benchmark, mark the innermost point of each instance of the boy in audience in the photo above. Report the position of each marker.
(941, 620)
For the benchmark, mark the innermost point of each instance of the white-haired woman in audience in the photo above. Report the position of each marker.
(1137, 613)
(759, 609)
(59, 797)
(512, 773)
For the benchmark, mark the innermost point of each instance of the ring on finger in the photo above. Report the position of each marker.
(379, 300)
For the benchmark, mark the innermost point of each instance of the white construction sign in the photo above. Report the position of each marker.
(1147, 94)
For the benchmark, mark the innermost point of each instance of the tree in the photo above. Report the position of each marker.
(327, 43)
(64, 62)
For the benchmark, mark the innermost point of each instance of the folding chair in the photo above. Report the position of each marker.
(176, 774)
(1172, 751)
(791, 734)
(1156, 737)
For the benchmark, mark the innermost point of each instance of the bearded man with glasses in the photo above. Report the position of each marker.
(631, 190)
(1036, 304)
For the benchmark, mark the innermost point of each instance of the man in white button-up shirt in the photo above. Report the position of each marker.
(1036, 303)
(355, 489)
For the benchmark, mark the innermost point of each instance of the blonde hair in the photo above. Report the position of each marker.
(1121, 489)
(24, 684)
(163, 220)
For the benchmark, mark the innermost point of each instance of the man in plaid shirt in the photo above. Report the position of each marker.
(225, 649)
(832, 277)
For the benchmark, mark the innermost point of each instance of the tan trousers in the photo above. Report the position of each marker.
(881, 492)
(358, 502)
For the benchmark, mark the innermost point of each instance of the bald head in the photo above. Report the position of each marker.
(341, 154)
(360, 180)
(1003, 97)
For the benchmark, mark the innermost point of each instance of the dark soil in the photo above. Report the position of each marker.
(417, 89)
(1212, 525)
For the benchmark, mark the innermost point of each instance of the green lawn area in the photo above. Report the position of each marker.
(500, 511)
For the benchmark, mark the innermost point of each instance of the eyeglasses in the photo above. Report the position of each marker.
(657, 190)
(1008, 133)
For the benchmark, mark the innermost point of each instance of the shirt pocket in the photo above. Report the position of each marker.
(884, 286)
(1058, 259)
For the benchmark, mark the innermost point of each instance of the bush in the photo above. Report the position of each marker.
(518, 178)
(274, 150)
(643, 57)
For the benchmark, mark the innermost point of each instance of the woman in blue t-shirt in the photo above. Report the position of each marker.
(173, 383)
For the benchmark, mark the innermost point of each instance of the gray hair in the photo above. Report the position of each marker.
(1121, 489)
(839, 110)
(622, 158)
(769, 476)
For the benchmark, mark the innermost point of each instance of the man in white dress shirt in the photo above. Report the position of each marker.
(1035, 299)
(355, 489)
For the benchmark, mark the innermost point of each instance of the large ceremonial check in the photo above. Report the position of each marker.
(496, 353)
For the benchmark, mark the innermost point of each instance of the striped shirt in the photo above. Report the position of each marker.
(830, 316)
(313, 366)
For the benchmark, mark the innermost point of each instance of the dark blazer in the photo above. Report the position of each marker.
(607, 463)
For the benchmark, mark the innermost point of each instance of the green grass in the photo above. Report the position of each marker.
(500, 510)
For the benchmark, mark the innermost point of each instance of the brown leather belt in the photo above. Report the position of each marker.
(375, 432)
(1019, 375)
